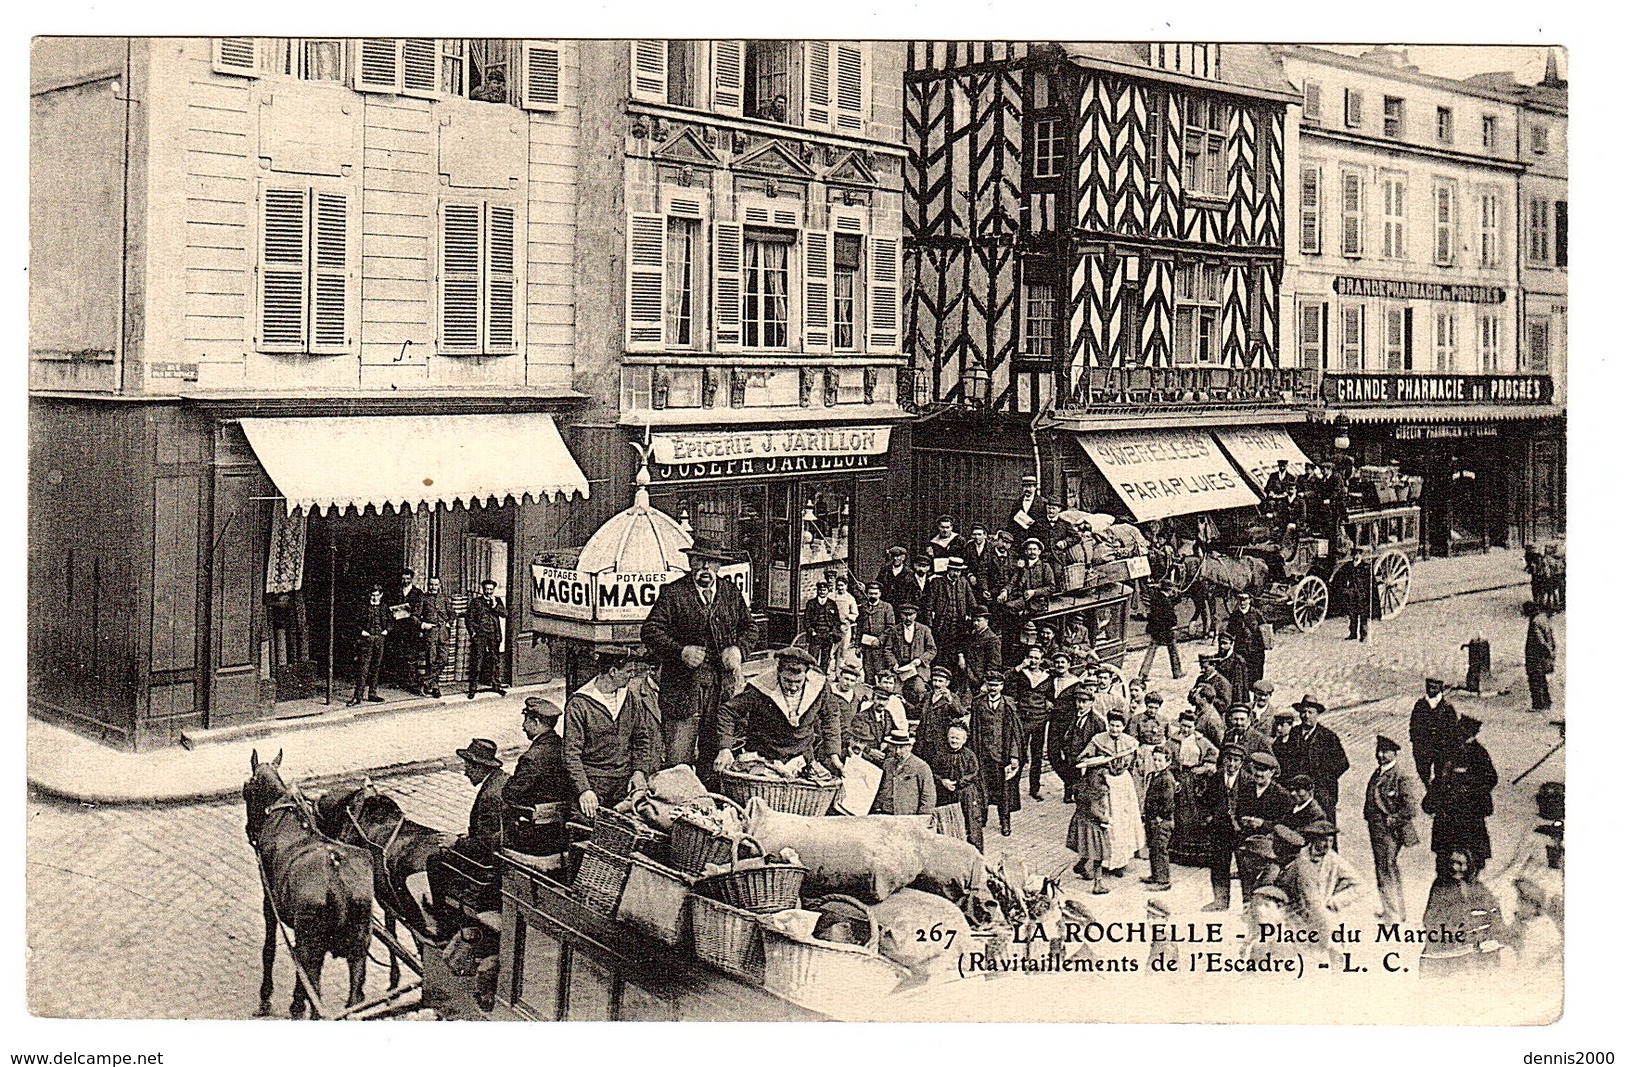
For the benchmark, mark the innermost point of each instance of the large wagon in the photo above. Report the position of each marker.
(1314, 570)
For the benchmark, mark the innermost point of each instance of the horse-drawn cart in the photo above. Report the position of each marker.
(1316, 571)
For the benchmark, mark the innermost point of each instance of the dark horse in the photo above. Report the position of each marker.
(400, 851)
(320, 889)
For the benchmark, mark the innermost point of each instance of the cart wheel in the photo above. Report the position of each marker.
(1392, 576)
(1310, 599)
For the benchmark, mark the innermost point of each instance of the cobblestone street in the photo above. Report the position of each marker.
(154, 911)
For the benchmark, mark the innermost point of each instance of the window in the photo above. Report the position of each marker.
(1353, 101)
(1047, 148)
(1561, 209)
(1444, 341)
(1038, 331)
(478, 68)
(1445, 126)
(766, 311)
(1353, 336)
(1205, 132)
(1393, 116)
(304, 277)
(1444, 223)
(316, 59)
(1540, 231)
(1397, 338)
(848, 297)
(1538, 358)
(1353, 214)
(682, 71)
(1312, 335)
(682, 270)
(477, 278)
(767, 80)
(1393, 216)
(1311, 101)
(1197, 289)
(1155, 149)
(1489, 132)
(1489, 343)
(1309, 210)
(1489, 230)
(1539, 136)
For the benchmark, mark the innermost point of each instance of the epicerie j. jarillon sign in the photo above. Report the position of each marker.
(1438, 389)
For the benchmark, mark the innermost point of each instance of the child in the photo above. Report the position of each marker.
(1160, 790)
(959, 778)
(1090, 824)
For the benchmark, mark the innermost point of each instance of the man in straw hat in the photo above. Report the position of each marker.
(1391, 799)
(907, 786)
(699, 632)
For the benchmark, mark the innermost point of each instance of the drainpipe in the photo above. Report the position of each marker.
(124, 221)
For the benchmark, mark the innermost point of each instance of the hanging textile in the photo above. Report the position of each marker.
(285, 563)
(417, 544)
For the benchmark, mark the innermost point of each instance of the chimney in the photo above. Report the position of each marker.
(1551, 79)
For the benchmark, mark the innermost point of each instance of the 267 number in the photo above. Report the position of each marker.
(936, 936)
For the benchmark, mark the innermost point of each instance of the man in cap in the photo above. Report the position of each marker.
(983, 652)
(699, 632)
(485, 618)
(1357, 594)
(910, 649)
(1162, 627)
(436, 618)
(1223, 831)
(911, 590)
(982, 565)
(611, 740)
(1433, 730)
(1238, 730)
(1305, 809)
(782, 714)
(1391, 798)
(1319, 884)
(1028, 511)
(878, 714)
(944, 544)
(1070, 730)
(1460, 798)
(948, 606)
(996, 734)
(1275, 488)
(1246, 627)
(1261, 804)
(539, 778)
(907, 786)
(939, 710)
(821, 625)
(1263, 693)
(846, 693)
(371, 629)
(1317, 751)
(1224, 693)
(483, 770)
(894, 575)
(1539, 656)
(876, 618)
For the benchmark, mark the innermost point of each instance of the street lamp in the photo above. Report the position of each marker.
(973, 383)
(1340, 433)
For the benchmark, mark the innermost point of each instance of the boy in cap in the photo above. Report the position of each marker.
(1208, 674)
(846, 693)
(1305, 809)
(372, 627)
(996, 734)
(1391, 799)
(1261, 805)
(1158, 812)
(1224, 833)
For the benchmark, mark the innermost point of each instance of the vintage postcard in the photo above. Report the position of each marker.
(788, 529)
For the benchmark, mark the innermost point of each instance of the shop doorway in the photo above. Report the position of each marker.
(345, 555)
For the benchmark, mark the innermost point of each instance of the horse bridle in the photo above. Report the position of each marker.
(383, 850)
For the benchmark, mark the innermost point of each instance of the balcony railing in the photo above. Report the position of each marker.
(1140, 388)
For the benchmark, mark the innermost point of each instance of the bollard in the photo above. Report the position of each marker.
(1478, 665)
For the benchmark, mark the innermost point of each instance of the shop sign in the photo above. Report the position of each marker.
(739, 575)
(1395, 289)
(1167, 472)
(753, 453)
(1445, 431)
(1438, 389)
(610, 596)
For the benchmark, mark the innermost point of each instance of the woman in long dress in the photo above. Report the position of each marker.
(1114, 750)
(1461, 904)
(1196, 760)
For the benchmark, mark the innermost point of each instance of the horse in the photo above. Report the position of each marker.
(321, 889)
(1221, 575)
(399, 850)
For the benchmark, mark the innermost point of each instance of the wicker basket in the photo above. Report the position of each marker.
(727, 938)
(600, 880)
(799, 797)
(692, 847)
(829, 976)
(655, 900)
(618, 834)
(771, 887)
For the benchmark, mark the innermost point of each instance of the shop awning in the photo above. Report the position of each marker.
(1453, 413)
(404, 461)
(1168, 472)
(1258, 449)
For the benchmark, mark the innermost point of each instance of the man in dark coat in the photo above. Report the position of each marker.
(403, 648)
(1028, 686)
(371, 629)
(436, 618)
(1461, 798)
(911, 589)
(1317, 751)
(484, 770)
(1246, 626)
(1223, 831)
(1433, 731)
(945, 544)
(1357, 594)
(611, 739)
(782, 714)
(539, 778)
(1239, 730)
(1262, 808)
(699, 632)
(484, 618)
(1068, 738)
(949, 602)
(907, 786)
(893, 575)
(1157, 811)
(1032, 582)
(1224, 692)
(982, 565)
(876, 618)
(1391, 799)
(996, 734)
(1235, 668)
(1161, 627)
(983, 652)
(1027, 513)
(1539, 656)
(821, 625)
(910, 648)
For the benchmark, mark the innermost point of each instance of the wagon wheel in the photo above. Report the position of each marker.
(1391, 575)
(1310, 598)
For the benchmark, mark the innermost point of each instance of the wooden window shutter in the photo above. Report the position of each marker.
(728, 77)
(816, 83)
(420, 66)
(539, 62)
(727, 284)
(460, 279)
(283, 255)
(1310, 208)
(649, 71)
(815, 277)
(646, 283)
(885, 268)
(236, 55)
(378, 65)
(849, 87)
(501, 280)
(330, 276)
